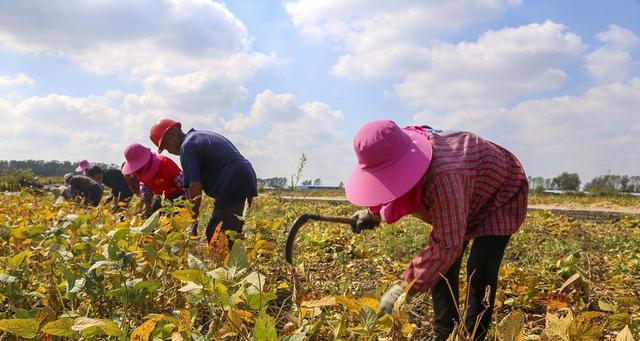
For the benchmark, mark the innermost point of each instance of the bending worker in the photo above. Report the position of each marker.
(83, 167)
(90, 190)
(112, 178)
(466, 187)
(212, 164)
(158, 175)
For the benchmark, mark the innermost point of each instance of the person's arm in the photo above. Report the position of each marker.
(146, 194)
(451, 197)
(192, 176)
(195, 195)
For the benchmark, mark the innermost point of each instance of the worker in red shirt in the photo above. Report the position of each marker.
(157, 174)
(466, 187)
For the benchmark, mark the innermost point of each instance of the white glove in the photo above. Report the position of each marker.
(389, 298)
(365, 220)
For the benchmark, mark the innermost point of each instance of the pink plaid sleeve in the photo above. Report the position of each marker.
(451, 198)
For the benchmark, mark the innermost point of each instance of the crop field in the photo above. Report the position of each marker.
(68, 272)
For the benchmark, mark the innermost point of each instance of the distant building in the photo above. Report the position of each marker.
(318, 187)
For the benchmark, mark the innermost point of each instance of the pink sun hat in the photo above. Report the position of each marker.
(137, 157)
(83, 166)
(390, 162)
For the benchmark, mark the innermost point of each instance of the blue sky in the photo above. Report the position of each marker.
(556, 82)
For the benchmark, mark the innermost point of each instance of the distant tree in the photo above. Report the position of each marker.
(317, 182)
(536, 183)
(634, 184)
(341, 185)
(547, 184)
(611, 184)
(566, 181)
(306, 183)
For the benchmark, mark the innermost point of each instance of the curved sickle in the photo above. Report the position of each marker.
(303, 219)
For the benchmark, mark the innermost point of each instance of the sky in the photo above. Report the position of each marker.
(555, 82)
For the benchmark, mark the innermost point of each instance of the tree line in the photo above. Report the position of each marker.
(43, 168)
(602, 184)
(566, 181)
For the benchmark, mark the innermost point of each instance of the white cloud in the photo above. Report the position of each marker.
(130, 38)
(387, 38)
(57, 126)
(404, 40)
(590, 133)
(613, 62)
(499, 67)
(278, 130)
(17, 80)
(365, 25)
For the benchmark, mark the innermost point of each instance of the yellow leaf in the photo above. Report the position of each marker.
(510, 328)
(27, 328)
(557, 325)
(625, 335)
(323, 302)
(143, 332)
(408, 328)
(349, 303)
(185, 322)
(369, 302)
(587, 326)
(219, 244)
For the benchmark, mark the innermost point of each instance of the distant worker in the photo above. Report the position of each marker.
(465, 187)
(158, 175)
(86, 187)
(112, 178)
(212, 164)
(83, 167)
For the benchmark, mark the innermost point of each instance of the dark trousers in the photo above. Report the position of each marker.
(93, 196)
(482, 271)
(228, 215)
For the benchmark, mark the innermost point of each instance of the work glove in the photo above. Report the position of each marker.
(365, 220)
(388, 300)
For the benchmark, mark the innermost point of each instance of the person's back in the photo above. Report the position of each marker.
(114, 179)
(496, 174)
(210, 158)
(89, 188)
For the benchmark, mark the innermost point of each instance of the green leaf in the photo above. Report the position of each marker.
(255, 282)
(5, 278)
(24, 313)
(607, 306)
(146, 286)
(27, 328)
(60, 327)
(114, 250)
(100, 264)
(238, 260)
(191, 275)
(93, 327)
(296, 337)
(195, 263)
(260, 301)
(369, 318)
(16, 261)
(265, 329)
(150, 225)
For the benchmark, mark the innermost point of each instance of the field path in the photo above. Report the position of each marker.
(579, 212)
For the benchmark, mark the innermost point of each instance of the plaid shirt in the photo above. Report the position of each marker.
(472, 188)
